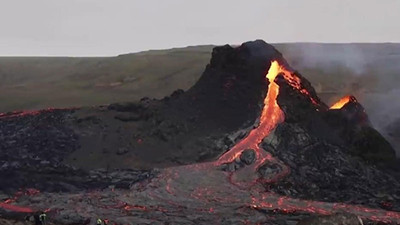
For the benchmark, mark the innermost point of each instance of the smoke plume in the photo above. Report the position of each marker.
(371, 72)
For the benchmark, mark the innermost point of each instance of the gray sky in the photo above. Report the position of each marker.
(111, 27)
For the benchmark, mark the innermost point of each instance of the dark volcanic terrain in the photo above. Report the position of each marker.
(249, 143)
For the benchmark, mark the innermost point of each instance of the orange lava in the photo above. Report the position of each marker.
(295, 82)
(31, 113)
(16, 208)
(343, 101)
(271, 116)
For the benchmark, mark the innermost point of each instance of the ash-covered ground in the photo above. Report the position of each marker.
(247, 144)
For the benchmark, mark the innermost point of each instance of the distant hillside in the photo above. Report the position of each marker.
(41, 82)
(371, 72)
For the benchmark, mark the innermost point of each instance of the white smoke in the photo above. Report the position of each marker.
(330, 56)
(383, 110)
(371, 72)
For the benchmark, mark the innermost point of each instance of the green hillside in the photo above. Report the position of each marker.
(40, 82)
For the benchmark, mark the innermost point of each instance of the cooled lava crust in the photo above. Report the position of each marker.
(258, 144)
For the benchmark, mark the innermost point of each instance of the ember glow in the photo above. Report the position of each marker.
(343, 101)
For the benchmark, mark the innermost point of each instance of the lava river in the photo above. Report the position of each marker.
(202, 193)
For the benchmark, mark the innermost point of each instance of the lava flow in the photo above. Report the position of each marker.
(7, 204)
(200, 193)
(343, 101)
(271, 116)
(32, 112)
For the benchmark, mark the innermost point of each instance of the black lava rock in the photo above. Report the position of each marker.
(248, 156)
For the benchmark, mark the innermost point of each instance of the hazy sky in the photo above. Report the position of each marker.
(111, 27)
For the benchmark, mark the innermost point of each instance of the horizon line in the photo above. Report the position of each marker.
(183, 47)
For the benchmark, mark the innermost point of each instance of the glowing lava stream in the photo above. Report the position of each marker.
(271, 116)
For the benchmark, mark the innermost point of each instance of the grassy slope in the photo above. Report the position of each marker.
(34, 83)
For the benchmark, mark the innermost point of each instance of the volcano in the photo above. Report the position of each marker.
(249, 143)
